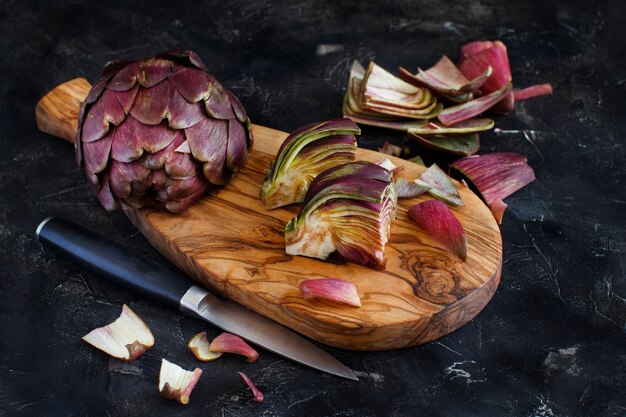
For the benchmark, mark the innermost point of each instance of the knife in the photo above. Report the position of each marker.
(148, 278)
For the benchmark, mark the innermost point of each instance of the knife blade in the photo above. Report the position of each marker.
(151, 279)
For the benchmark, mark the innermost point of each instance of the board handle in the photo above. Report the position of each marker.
(57, 112)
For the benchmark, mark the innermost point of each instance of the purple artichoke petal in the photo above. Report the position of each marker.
(97, 154)
(78, 143)
(218, 105)
(192, 84)
(127, 98)
(183, 148)
(212, 152)
(122, 175)
(183, 188)
(95, 124)
(131, 138)
(198, 136)
(125, 79)
(496, 175)
(184, 55)
(215, 172)
(360, 256)
(106, 197)
(180, 165)
(156, 160)
(150, 105)
(240, 112)
(139, 188)
(163, 101)
(112, 67)
(112, 108)
(441, 186)
(159, 179)
(183, 114)
(354, 171)
(462, 112)
(119, 185)
(195, 59)
(95, 91)
(198, 190)
(237, 151)
(153, 71)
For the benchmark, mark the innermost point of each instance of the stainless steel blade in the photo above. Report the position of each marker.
(260, 330)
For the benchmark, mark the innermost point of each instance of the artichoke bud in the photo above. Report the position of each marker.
(160, 133)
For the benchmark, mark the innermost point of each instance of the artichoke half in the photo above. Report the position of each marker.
(305, 153)
(160, 133)
(349, 209)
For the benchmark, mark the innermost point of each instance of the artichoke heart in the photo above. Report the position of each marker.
(305, 153)
(349, 209)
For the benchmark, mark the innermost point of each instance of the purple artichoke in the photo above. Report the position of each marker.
(160, 133)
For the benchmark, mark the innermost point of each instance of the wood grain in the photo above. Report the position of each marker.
(57, 112)
(231, 244)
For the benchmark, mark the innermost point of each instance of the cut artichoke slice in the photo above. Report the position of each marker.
(348, 209)
(376, 97)
(385, 93)
(305, 153)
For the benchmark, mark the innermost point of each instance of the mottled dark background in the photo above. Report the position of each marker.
(552, 341)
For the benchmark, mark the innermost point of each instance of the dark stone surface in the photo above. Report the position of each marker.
(552, 341)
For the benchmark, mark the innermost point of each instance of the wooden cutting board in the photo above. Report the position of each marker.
(231, 244)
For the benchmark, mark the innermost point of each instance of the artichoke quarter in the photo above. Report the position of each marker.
(348, 209)
(160, 133)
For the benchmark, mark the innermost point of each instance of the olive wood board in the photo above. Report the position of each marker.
(232, 245)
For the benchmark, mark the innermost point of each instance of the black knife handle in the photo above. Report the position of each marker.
(114, 262)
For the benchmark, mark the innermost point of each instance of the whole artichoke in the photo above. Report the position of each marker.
(160, 133)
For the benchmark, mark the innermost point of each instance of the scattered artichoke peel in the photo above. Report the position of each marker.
(230, 343)
(441, 186)
(126, 338)
(199, 346)
(409, 189)
(496, 176)
(387, 164)
(459, 145)
(447, 80)
(175, 383)
(436, 218)
(383, 92)
(258, 395)
(332, 289)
